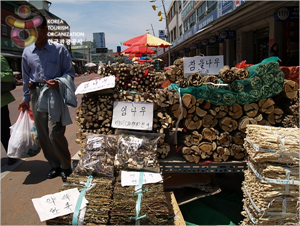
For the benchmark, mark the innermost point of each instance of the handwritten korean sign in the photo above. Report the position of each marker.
(206, 65)
(58, 204)
(95, 85)
(132, 115)
(132, 178)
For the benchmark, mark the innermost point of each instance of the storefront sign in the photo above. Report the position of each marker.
(204, 42)
(96, 85)
(288, 13)
(206, 65)
(225, 6)
(213, 40)
(132, 115)
(227, 35)
(208, 19)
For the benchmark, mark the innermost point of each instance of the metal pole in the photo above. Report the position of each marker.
(169, 57)
(153, 30)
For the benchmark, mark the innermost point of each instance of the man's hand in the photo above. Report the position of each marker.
(52, 83)
(24, 106)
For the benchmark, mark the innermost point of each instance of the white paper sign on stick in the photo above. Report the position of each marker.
(132, 115)
(132, 178)
(58, 204)
(205, 65)
(96, 85)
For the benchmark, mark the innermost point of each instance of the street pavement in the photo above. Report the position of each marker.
(26, 179)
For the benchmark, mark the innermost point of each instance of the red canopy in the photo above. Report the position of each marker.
(147, 40)
(138, 49)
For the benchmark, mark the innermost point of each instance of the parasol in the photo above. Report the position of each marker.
(147, 40)
(90, 65)
(138, 49)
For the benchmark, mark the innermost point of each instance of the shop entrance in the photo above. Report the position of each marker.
(261, 43)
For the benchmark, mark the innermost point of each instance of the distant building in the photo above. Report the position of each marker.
(99, 39)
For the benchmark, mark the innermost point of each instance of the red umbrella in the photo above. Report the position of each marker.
(147, 40)
(138, 49)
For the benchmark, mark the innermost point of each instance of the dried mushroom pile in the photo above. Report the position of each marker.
(271, 185)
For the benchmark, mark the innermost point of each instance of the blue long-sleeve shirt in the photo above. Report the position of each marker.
(50, 62)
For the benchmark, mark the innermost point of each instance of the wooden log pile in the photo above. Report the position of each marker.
(99, 201)
(271, 185)
(154, 205)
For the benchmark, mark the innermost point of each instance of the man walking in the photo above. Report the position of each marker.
(48, 76)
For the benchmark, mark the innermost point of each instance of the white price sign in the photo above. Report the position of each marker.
(95, 85)
(132, 115)
(132, 178)
(205, 65)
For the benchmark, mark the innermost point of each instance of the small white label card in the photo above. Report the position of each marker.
(205, 65)
(96, 85)
(131, 178)
(57, 204)
(132, 115)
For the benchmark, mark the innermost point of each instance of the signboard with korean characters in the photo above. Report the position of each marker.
(205, 65)
(132, 115)
(96, 85)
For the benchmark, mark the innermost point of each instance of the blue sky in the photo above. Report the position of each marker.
(119, 20)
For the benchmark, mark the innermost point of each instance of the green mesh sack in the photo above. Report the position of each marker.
(265, 80)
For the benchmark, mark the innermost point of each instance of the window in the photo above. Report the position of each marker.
(186, 25)
(175, 7)
(179, 5)
(172, 13)
(201, 12)
(192, 19)
(3, 29)
(211, 5)
(180, 30)
(175, 36)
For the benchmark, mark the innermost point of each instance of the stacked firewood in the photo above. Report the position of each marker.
(140, 77)
(271, 185)
(229, 123)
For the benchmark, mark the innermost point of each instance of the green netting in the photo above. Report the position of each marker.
(266, 80)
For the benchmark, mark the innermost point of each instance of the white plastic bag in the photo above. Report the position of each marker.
(23, 142)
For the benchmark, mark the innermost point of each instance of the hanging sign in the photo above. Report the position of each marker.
(132, 115)
(213, 40)
(96, 85)
(204, 42)
(161, 34)
(206, 65)
(287, 13)
(227, 34)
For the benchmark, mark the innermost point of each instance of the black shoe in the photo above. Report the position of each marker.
(54, 172)
(65, 173)
(11, 161)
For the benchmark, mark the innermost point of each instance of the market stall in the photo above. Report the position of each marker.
(198, 124)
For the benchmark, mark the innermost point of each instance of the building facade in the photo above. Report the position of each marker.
(238, 30)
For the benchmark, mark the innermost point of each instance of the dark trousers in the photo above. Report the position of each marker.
(51, 136)
(5, 124)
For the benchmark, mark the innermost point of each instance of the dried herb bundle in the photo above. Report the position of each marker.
(99, 201)
(154, 205)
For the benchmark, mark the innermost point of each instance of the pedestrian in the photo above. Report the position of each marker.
(47, 71)
(274, 50)
(6, 98)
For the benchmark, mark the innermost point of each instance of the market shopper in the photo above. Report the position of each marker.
(274, 50)
(6, 98)
(47, 70)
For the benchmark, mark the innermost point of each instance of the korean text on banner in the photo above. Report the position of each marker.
(205, 65)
